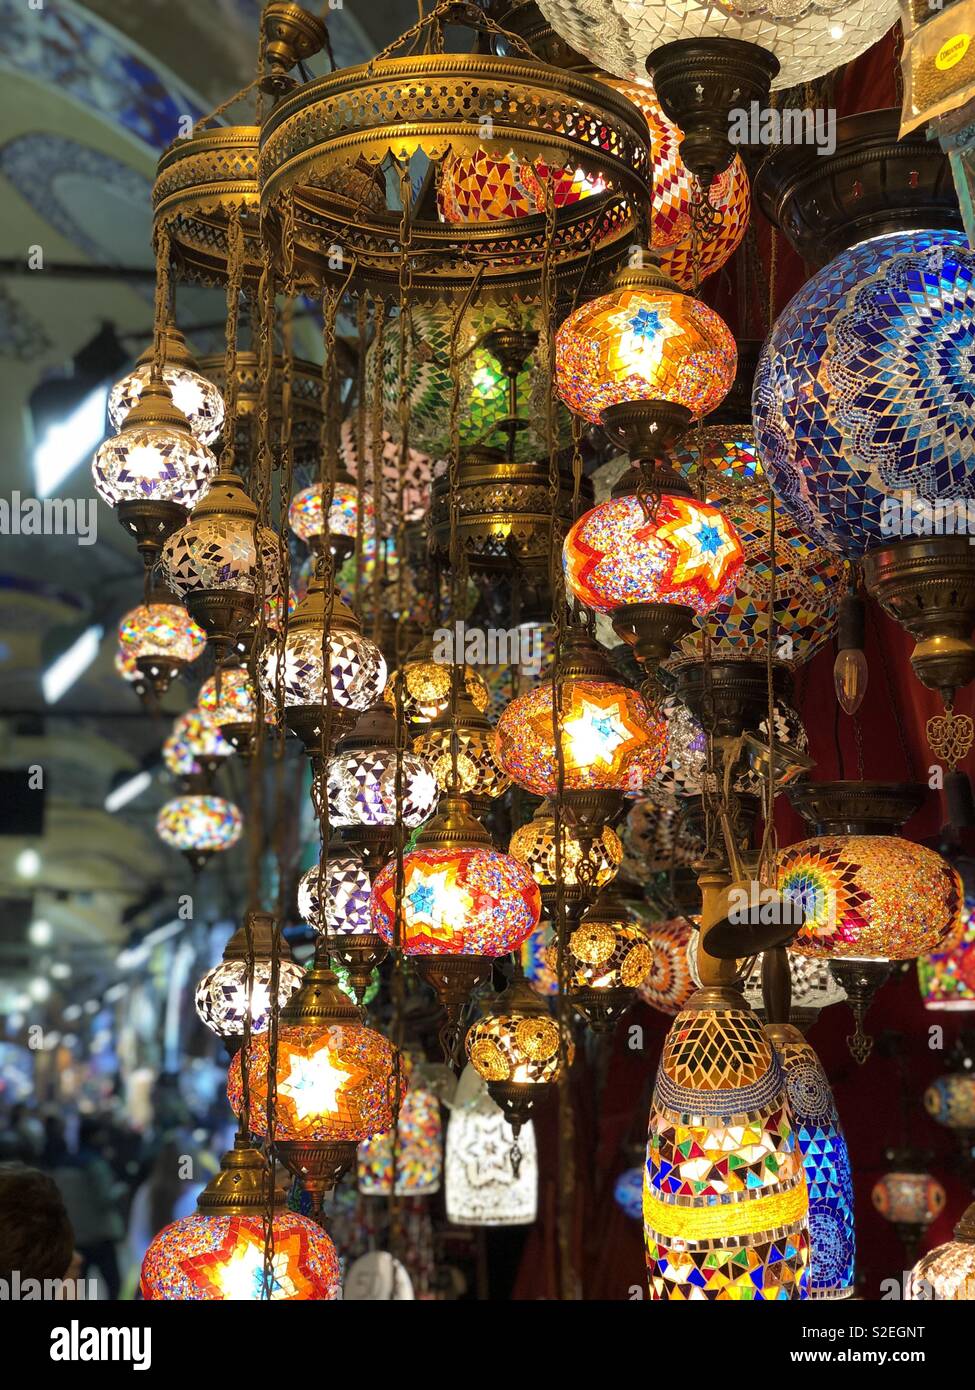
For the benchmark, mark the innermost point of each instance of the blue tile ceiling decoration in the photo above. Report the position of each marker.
(866, 386)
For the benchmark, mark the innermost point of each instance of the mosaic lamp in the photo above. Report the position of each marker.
(322, 632)
(725, 1204)
(222, 994)
(193, 395)
(607, 957)
(229, 699)
(490, 1176)
(950, 1101)
(154, 471)
(222, 562)
(478, 775)
(199, 826)
(361, 781)
(161, 639)
(424, 686)
(195, 744)
(910, 1199)
(534, 844)
(335, 1080)
(947, 977)
(947, 1273)
(612, 741)
(219, 1252)
(813, 988)
(825, 1160)
(419, 1147)
(415, 481)
(306, 516)
(334, 899)
(670, 981)
(517, 1048)
(536, 960)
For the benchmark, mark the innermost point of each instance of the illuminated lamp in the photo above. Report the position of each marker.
(334, 899)
(306, 516)
(479, 777)
(612, 741)
(464, 904)
(199, 826)
(154, 470)
(245, 970)
(229, 699)
(947, 977)
(323, 630)
(813, 988)
(725, 1205)
(536, 960)
(910, 1199)
(534, 844)
(415, 481)
(195, 744)
(628, 1193)
(361, 785)
(947, 1273)
(490, 1175)
(950, 1101)
(608, 956)
(424, 686)
(517, 1048)
(670, 981)
(193, 395)
(222, 562)
(219, 1252)
(161, 639)
(334, 1082)
(419, 1148)
(826, 1162)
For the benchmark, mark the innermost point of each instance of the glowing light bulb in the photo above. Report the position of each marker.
(850, 674)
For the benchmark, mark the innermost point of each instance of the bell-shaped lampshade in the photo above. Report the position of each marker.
(826, 1161)
(725, 1206)
(490, 1178)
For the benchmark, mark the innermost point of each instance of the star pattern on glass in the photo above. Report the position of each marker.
(437, 901)
(314, 1084)
(594, 734)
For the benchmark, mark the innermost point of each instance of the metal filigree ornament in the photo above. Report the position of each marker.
(323, 146)
(304, 394)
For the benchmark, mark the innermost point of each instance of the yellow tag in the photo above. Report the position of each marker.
(952, 52)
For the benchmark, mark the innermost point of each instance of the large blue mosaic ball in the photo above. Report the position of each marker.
(865, 389)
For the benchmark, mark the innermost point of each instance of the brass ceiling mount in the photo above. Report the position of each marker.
(291, 36)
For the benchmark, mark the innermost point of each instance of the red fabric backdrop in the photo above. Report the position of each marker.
(612, 1081)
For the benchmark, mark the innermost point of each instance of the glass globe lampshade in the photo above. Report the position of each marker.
(907, 1198)
(221, 996)
(950, 1100)
(813, 987)
(425, 685)
(419, 1149)
(125, 667)
(725, 1205)
(826, 1162)
(480, 187)
(416, 474)
(461, 897)
(628, 1193)
(478, 774)
(670, 981)
(193, 395)
(306, 516)
(218, 1253)
(199, 826)
(608, 957)
(361, 781)
(334, 899)
(947, 1273)
(229, 699)
(490, 1176)
(536, 960)
(646, 343)
(657, 839)
(947, 977)
(314, 698)
(843, 429)
(686, 553)
(534, 843)
(517, 1049)
(162, 640)
(808, 38)
(154, 470)
(195, 744)
(222, 562)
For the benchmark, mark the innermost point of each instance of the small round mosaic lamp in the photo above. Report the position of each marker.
(725, 1205)
(163, 632)
(947, 1273)
(534, 844)
(425, 684)
(643, 344)
(306, 513)
(686, 552)
(908, 1198)
(193, 394)
(334, 898)
(419, 1150)
(222, 995)
(947, 978)
(826, 1161)
(218, 1253)
(950, 1100)
(155, 457)
(670, 982)
(199, 825)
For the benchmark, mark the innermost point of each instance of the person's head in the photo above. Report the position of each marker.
(36, 1237)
